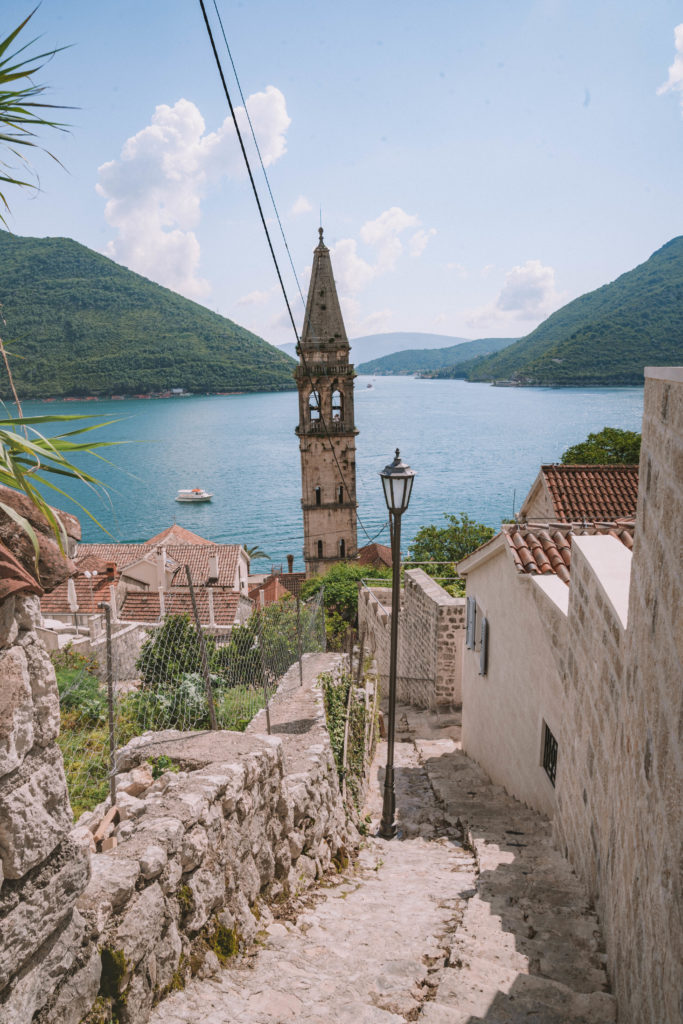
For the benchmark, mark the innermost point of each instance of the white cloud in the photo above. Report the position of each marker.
(154, 190)
(459, 268)
(301, 205)
(675, 80)
(255, 298)
(528, 294)
(382, 236)
(528, 291)
(418, 243)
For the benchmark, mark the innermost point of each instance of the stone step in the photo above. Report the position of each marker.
(478, 993)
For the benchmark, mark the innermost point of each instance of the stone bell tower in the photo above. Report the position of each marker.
(326, 430)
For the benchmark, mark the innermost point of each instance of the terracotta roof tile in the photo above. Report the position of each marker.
(194, 555)
(178, 535)
(89, 593)
(592, 493)
(375, 554)
(545, 549)
(144, 606)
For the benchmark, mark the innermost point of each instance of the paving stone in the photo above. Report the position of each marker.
(425, 927)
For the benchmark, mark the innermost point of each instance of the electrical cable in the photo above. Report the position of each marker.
(270, 243)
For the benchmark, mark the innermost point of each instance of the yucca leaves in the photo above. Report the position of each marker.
(22, 111)
(28, 458)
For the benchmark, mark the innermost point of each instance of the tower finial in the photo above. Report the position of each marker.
(320, 233)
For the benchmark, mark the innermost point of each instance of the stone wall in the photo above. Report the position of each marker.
(42, 869)
(431, 639)
(126, 641)
(619, 808)
(243, 820)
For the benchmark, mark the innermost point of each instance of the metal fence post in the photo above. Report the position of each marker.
(298, 639)
(263, 659)
(202, 653)
(110, 704)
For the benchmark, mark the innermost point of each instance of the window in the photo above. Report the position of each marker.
(484, 649)
(320, 549)
(340, 494)
(342, 549)
(470, 624)
(337, 405)
(318, 496)
(549, 753)
(314, 406)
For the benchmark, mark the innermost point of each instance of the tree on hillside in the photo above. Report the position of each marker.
(606, 447)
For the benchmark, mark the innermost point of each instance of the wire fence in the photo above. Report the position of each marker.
(188, 678)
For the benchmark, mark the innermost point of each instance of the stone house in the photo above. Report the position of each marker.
(573, 698)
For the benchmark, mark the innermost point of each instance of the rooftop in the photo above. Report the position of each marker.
(587, 493)
(144, 606)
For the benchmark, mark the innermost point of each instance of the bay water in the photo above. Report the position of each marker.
(476, 449)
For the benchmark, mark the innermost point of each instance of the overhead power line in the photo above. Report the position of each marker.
(268, 238)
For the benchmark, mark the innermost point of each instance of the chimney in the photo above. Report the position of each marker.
(161, 567)
(290, 563)
(213, 566)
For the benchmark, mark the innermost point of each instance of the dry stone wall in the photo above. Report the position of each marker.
(243, 818)
(431, 639)
(42, 869)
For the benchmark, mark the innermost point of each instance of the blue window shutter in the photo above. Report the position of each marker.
(484, 652)
(470, 623)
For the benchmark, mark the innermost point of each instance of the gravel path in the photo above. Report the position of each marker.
(470, 916)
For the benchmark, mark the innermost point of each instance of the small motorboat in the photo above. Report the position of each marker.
(193, 494)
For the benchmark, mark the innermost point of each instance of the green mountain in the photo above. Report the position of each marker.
(604, 337)
(79, 324)
(428, 360)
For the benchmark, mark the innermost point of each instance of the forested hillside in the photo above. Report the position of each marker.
(604, 337)
(428, 360)
(77, 323)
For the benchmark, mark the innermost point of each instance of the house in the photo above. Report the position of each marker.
(572, 688)
(145, 582)
(376, 555)
(575, 494)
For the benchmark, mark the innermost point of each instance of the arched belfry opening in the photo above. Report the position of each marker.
(326, 430)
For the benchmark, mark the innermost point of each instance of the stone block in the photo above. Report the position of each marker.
(153, 861)
(194, 848)
(142, 924)
(35, 814)
(31, 988)
(33, 909)
(16, 708)
(111, 886)
(207, 886)
(78, 993)
(8, 623)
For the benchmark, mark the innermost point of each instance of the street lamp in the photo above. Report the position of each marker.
(397, 481)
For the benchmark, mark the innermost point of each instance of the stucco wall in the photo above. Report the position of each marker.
(126, 642)
(503, 711)
(430, 644)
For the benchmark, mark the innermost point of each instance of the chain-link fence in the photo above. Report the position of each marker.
(188, 677)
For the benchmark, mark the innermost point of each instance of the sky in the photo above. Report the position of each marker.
(477, 165)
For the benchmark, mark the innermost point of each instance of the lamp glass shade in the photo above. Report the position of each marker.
(397, 481)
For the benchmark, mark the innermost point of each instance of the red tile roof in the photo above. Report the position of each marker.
(178, 535)
(89, 593)
(592, 493)
(143, 606)
(194, 555)
(540, 549)
(375, 554)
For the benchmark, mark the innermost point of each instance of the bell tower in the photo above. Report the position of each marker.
(326, 430)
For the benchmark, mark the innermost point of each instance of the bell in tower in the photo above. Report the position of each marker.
(326, 430)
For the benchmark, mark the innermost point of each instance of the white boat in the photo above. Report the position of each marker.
(193, 494)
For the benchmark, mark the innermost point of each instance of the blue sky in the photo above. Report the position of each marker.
(478, 164)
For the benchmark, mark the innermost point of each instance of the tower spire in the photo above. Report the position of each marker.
(326, 430)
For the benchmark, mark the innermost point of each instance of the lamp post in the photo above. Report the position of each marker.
(397, 481)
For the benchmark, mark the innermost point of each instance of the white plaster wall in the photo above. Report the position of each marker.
(503, 711)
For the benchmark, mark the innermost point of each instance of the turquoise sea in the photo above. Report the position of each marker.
(475, 448)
